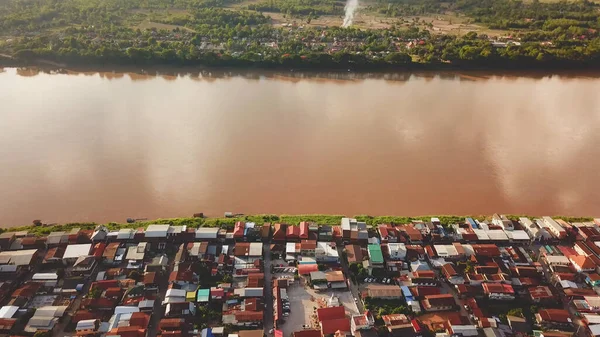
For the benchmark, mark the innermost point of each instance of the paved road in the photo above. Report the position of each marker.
(353, 287)
(449, 290)
(268, 289)
(159, 310)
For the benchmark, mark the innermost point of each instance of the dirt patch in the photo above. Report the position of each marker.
(362, 20)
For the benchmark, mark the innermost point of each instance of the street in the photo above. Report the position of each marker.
(353, 287)
(268, 290)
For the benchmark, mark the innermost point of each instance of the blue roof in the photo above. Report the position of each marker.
(407, 294)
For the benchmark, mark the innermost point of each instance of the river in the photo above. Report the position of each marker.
(106, 146)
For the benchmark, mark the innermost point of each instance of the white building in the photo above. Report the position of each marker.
(397, 251)
(554, 227)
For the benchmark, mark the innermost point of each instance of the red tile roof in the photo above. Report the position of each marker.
(497, 288)
(331, 313)
(488, 250)
(305, 269)
(170, 323)
(555, 315)
(354, 253)
(308, 245)
(139, 319)
(99, 249)
(331, 326)
(307, 333)
(128, 331)
(448, 270)
(238, 230)
(293, 232)
(583, 262)
(27, 290)
(105, 284)
(303, 230)
(279, 231)
(541, 292)
(113, 292)
(425, 291)
(249, 316)
(7, 323)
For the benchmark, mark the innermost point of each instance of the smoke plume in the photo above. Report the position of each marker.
(350, 8)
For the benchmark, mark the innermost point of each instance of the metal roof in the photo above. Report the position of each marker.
(8, 311)
(75, 251)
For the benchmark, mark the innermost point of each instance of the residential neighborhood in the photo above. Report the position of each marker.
(492, 277)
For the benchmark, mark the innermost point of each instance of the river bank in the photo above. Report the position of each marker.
(170, 72)
(515, 69)
(321, 219)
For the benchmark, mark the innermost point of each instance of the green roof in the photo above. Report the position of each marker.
(203, 295)
(375, 253)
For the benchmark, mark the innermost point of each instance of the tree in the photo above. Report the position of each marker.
(515, 312)
(398, 58)
(40, 333)
(95, 293)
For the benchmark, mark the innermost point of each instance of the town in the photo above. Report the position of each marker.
(494, 277)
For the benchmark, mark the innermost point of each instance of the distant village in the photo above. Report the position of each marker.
(497, 277)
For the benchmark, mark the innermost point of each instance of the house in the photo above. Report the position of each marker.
(308, 247)
(498, 291)
(541, 294)
(307, 333)
(583, 263)
(451, 274)
(382, 291)
(18, 258)
(388, 233)
(179, 309)
(279, 232)
(593, 279)
(361, 322)
(137, 253)
(6, 240)
(326, 252)
(353, 230)
(45, 318)
(203, 296)
(57, 238)
(248, 292)
(265, 231)
(336, 279)
(333, 319)
(304, 230)
(354, 254)
(559, 260)
(397, 251)
(462, 330)
(207, 233)
(503, 222)
(554, 227)
(554, 319)
(325, 233)
(375, 256)
(73, 252)
(440, 302)
(414, 235)
(306, 269)
(518, 324)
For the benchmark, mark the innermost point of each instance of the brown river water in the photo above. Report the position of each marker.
(107, 146)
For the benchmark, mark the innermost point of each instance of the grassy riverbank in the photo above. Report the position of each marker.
(322, 219)
(407, 34)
